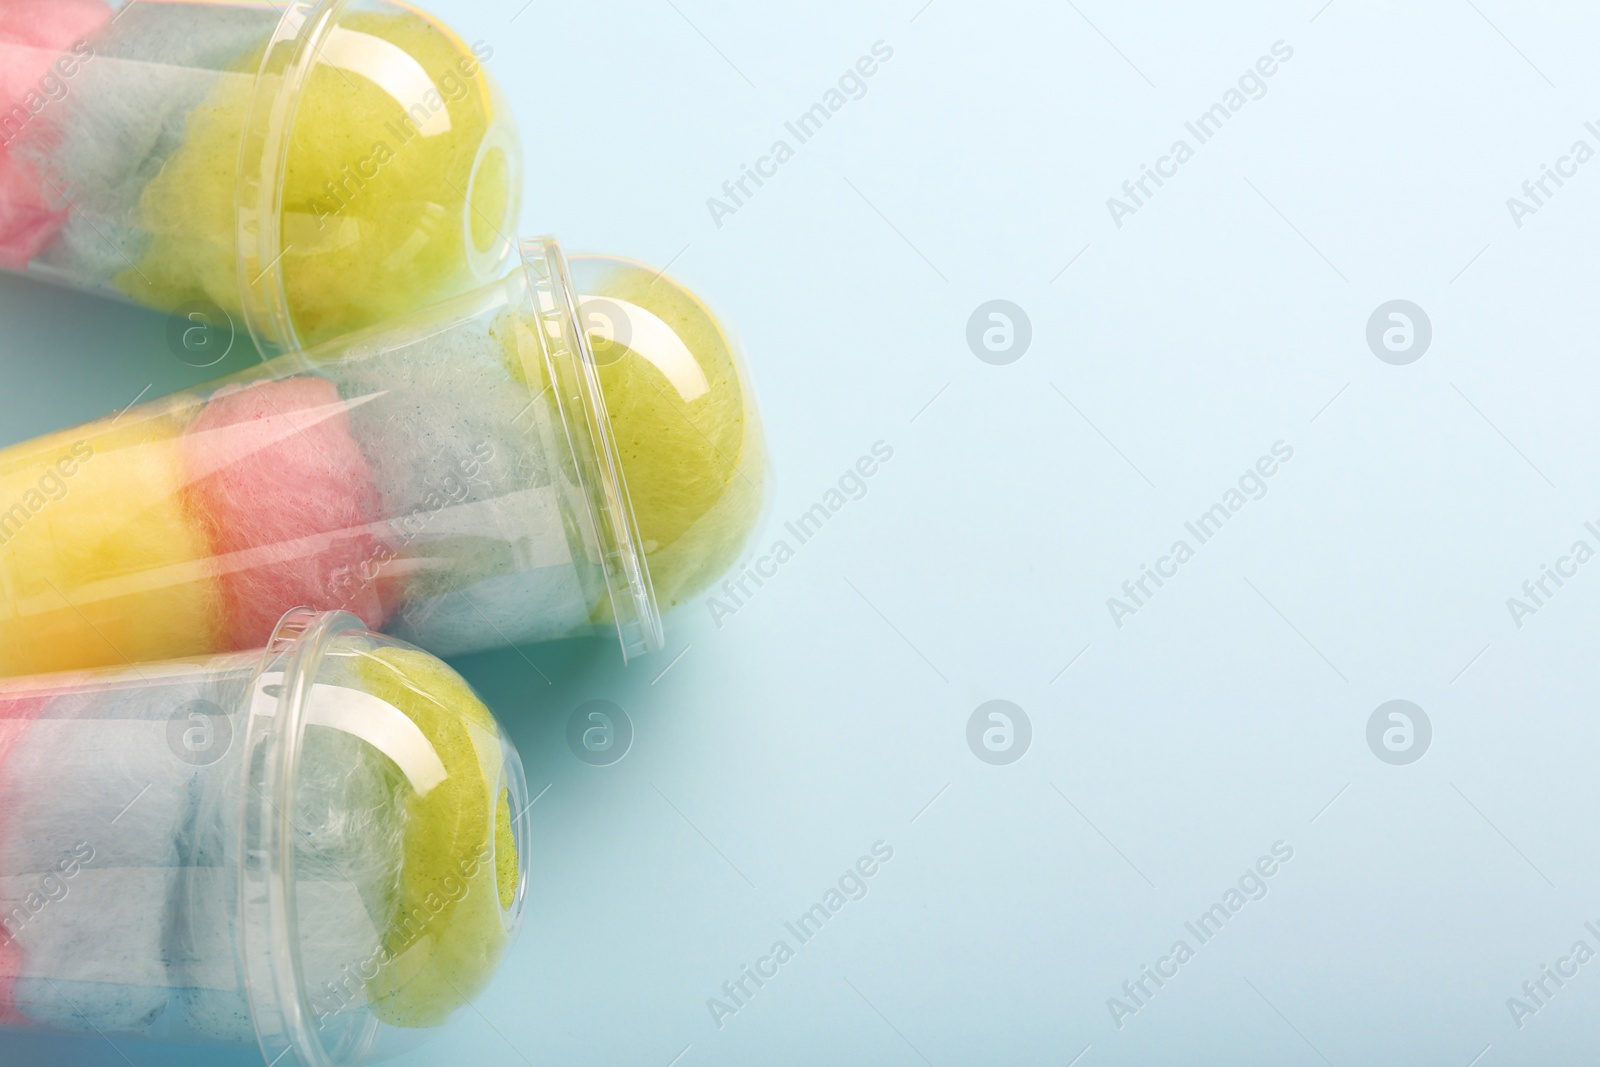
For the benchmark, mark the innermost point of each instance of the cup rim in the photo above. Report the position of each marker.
(269, 951)
(570, 367)
(264, 145)
(269, 948)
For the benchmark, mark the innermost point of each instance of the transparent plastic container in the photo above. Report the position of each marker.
(320, 847)
(314, 166)
(559, 454)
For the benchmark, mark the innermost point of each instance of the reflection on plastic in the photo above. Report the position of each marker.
(362, 715)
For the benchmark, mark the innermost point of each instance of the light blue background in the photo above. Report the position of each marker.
(1228, 314)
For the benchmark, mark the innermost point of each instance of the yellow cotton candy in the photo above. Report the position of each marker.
(100, 564)
(188, 208)
(394, 132)
(460, 869)
(684, 422)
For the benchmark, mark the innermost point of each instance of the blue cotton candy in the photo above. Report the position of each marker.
(119, 855)
(473, 473)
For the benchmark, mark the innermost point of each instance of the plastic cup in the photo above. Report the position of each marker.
(555, 455)
(314, 166)
(319, 847)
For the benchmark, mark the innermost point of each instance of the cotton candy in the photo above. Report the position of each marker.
(123, 898)
(93, 959)
(286, 499)
(683, 419)
(65, 780)
(97, 802)
(47, 26)
(126, 112)
(527, 603)
(464, 460)
(101, 562)
(28, 222)
(459, 851)
(37, 38)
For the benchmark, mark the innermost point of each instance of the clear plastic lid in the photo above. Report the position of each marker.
(557, 355)
(383, 849)
(379, 170)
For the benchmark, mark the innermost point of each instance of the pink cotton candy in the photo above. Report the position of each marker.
(27, 223)
(15, 715)
(54, 24)
(37, 38)
(287, 500)
(34, 34)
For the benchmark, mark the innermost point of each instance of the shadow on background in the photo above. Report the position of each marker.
(57, 345)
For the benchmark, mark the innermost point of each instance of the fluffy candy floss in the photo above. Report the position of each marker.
(185, 527)
(125, 112)
(286, 500)
(99, 814)
(42, 42)
(457, 454)
(460, 873)
(683, 419)
(406, 486)
(101, 562)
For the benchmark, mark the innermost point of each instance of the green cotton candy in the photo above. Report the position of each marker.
(393, 130)
(685, 424)
(460, 869)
